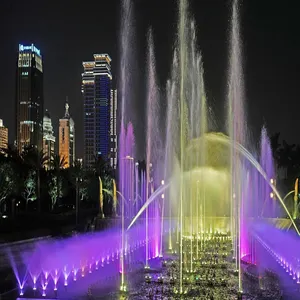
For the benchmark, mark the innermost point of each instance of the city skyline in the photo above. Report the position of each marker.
(264, 31)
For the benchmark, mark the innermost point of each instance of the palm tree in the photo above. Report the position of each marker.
(275, 145)
(103, 170)
(58, 163)
(76, 172)
(77, 177)
(102, 167)
(12, 154)
(286, 155)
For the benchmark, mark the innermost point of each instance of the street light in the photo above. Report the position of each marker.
(77, 200)
(162, 182)
(78, 180)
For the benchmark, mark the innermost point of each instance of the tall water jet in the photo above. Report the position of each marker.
(122, 212)
(237, 132)
(153, 150)
(129, 170)
(201, 154)
(267, 208)
(126, 53)
(171, 146)
(183, 61)
(126, 36)
(295, 211)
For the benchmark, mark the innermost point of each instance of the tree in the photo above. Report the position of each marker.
(7, 183)
(35, 159)
(58, 163)
(16, 161)
(286, 155)
(78, 174)
(29, 192)
(104, 170)
(275, 145)
(55, 191)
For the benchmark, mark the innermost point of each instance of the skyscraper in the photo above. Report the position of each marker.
(29, 98)
(96, 90)
(3, 136)
(113, 128)
(67, 138)
(48, 139)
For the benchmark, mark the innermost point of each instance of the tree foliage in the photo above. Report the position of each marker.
(7, 181)
(29, 192)
(25, 176)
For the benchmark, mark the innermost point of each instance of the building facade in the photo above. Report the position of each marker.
(48, 139)
(96, 91)
(67, 138)
(3, 136)
(113, 129)
(29, 98)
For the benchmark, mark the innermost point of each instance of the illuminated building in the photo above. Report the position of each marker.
(29, 98)
(3, 136)
(113, 128)
(48, 139)
(96, 91)
(67, 138)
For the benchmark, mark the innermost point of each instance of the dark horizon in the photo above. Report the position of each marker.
(66, 37)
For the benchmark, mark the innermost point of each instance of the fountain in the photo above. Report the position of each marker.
(202, 202)
(195, 162)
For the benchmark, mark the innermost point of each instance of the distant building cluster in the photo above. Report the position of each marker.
(34, 126)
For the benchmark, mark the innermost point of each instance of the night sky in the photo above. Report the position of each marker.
(68, 32)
